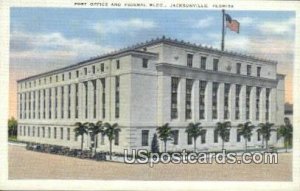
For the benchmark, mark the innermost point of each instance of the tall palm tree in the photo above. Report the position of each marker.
(223, 130)
(110, 131)
(265, 130)
(286, 131)
(165, 134)
(195, 130)
(246, 131)
(80, 130)
(95, 129)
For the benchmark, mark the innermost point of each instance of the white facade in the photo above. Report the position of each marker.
(88, 91)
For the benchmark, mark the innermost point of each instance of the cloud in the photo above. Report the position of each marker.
(204, 23)
(123, 26)
(245, 20)
(277, 27)
(50, 50)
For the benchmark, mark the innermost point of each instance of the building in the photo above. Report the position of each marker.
(149, 84)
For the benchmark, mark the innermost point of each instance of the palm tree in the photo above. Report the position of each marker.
(286, 131)
(246, 131)
(195, 130)
(223, 131)
(265, 130)
(95, 129)
(110, 131)
(165, 134)
(80, 130)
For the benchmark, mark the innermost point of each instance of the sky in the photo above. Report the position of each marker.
(42, 39)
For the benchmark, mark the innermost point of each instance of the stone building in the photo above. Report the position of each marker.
(149, 84)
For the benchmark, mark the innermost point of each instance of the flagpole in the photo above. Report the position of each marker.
(223, 30)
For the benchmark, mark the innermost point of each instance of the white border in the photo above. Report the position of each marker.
(140, 185)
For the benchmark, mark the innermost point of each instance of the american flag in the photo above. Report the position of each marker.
(233, 25)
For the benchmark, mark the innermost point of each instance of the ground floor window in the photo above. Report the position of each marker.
(145, 137)
(117, 138)
(175, 134)
(189, 139)
(215, 136)
(203, 137)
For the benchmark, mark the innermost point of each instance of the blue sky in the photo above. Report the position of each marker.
(49, 38)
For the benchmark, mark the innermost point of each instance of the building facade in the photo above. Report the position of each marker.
(150, 84)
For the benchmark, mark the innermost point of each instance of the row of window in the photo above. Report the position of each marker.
(214, 98)
(175, 137)
(29, 110)
(56, 133)
(72, 75)
(203, 61)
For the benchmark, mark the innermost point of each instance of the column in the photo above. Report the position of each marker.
(99, 99)
(208, 101)
(243, 103)
(232, 102)
(108, 100)
(65, 97)
(253, 104)
(262, 105)
(195, 101)
(80, 101)
(272, 104)
(220, 100)
(181, 99)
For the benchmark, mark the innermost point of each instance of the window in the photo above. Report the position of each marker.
(86, 99)
(39, 133)
(215, 136)
(85, 71)
(118, 64)
(43, 132)
(258, 71)
(61, 133)
(76, 101)
(21, 130)
(117, 98)
(258, 90)
(226, 100)
(33, 131)
(49, 132)
(50, 102)
(190, 60)
(55, 102)
(174, 84)
(69, 101)
(258, 136)
(102, 139)
(268, 90)
(117, 138)
(189, 139)
(215, 100)
(203, 62)
(145, 136)
(203, 137)
(50, 79)
(215, 64)
(102, 67)
(24, 131)
(238, 68)
(77, 74)
(55, 132)
(94, 69)
(248, 70)
(70, 75)
(68, 134)
(248, 92)
(94, 83)
(175, 134)
(103, 97)
(202, 88)
(63, 77)
(238, 136)
(56, 78)
(237, 101)
(28, 133)
(145, 63)
(62, 101)
(188, 99)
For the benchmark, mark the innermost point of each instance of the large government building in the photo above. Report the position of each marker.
(150, 84)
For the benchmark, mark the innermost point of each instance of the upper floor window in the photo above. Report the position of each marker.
(258, 71)
(190, 60)
(145, 63)
(50, 79)
(69, 75)
(63, 77)
(238, 68)
(94, 69)
(145, 137)
(203, 63)
(248, 70)
(77, 73)
(102, 67)
(216, 64)
(85, 71)
(118, 64)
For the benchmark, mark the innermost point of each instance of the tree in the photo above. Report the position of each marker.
(246, 131)
(95, 129)
(265, 130)
(164, 134)
(223, 130)
(80, 130)
(286, 131)
(12, 127)
(110, 131)
(154, 144)
(195, 130)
